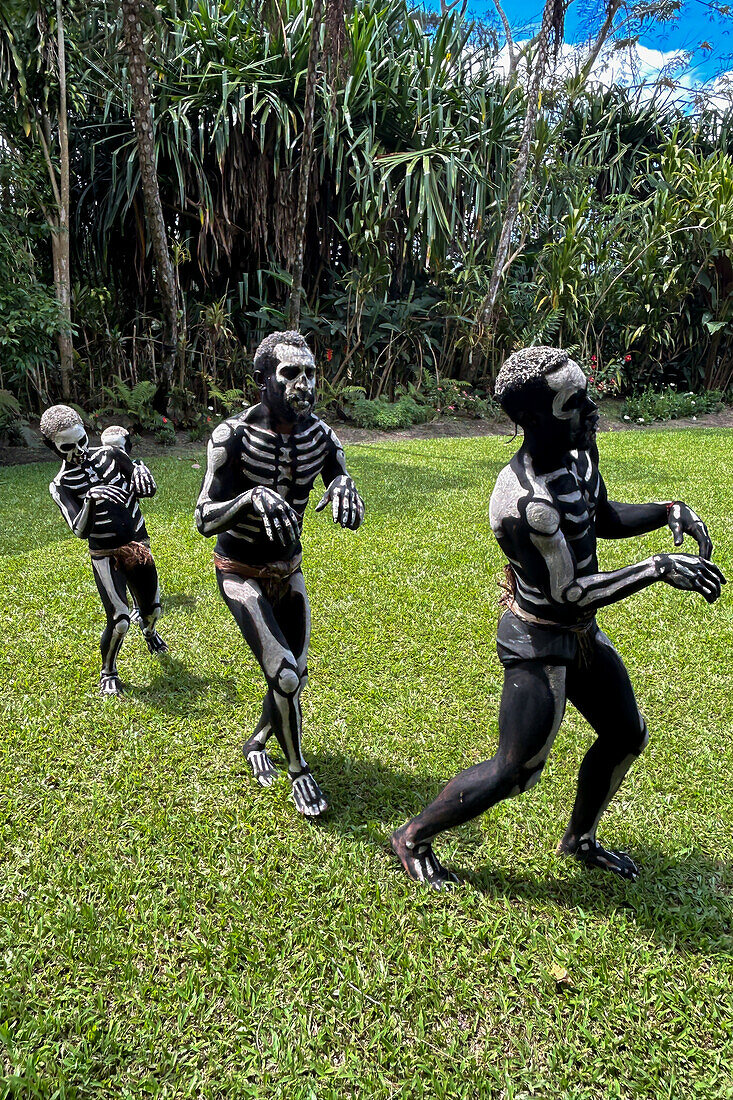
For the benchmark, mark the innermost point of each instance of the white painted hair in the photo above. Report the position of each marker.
(528, 365)
(57, 419)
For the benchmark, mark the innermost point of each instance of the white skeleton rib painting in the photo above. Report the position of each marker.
(261, 468)
(97, 492)
(548, 508)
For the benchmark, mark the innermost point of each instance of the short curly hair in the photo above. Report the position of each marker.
(57, 419)
(265, 359)
(521, 378)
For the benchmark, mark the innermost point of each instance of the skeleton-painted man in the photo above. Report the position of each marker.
(261, 468)
(97, 492)
(548, 508)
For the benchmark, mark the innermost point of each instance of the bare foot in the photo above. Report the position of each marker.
(307, 795)
(155, 643)
(261, 763)
(421, 864)
(593, 854)
(109, 684)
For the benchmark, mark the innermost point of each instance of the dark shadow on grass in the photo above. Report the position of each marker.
(683, 900)
(174, 689)
(173, 600)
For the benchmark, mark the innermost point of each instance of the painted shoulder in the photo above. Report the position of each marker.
(505, 498)
(228, 429)
(327, 431)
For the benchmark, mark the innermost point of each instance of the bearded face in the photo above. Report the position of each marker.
(71, 444)
(290, 389)
(574, 414)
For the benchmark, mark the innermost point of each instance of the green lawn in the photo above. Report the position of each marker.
(171, 930)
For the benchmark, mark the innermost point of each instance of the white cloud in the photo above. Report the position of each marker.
(636, 66)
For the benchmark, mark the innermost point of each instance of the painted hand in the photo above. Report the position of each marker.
(347, 507)
(111, 493)
(278, 518)
(691, 573)
(683, 521)
(143, 482)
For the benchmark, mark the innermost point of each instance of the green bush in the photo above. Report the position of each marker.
(386, 415)
(670, 405)
(454, 398)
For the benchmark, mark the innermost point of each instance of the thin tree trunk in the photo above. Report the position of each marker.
(502, 259)
(143, 119)
(306, 161)
(486, 313)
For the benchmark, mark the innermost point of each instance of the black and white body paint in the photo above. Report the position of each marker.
(548, 508)
(97, 493)
(261, 469)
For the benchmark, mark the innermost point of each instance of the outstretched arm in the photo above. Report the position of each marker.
(615, 520)
(347, 507)
(562, 584)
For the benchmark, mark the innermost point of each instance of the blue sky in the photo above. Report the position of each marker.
(695, 25)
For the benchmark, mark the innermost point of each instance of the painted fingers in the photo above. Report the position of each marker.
(143, 482)
(347, 507)
(692, 574)
(683, 521)
(279, 520)
(111, 493)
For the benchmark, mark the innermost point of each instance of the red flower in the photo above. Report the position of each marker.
(627, 358)
(329, 354)
(593, 359)
(165, 419)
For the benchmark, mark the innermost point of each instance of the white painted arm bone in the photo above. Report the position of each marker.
(590, 592)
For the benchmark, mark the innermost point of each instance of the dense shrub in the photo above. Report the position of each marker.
(670, 405)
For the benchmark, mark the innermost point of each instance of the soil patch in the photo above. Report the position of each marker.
(146, 447)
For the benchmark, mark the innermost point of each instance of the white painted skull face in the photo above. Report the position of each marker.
(116, 436)
(571, 404)
(296, 374)
(72, 443)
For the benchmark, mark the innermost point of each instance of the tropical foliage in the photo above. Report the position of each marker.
(621, 249)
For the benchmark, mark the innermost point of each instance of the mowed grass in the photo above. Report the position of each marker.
(169, 929)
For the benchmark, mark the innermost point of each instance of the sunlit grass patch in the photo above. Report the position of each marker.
(169, 929)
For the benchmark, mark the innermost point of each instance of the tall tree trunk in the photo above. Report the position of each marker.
(551, 19)
(306, 161)
(60, 237)
(552, 14)
(143, 119)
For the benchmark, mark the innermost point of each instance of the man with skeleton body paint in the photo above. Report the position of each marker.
(548, 507)
(261, 468)
(97, 493)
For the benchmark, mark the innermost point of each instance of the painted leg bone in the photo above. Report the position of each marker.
(283, 663)
(112, 589)
(143, 584)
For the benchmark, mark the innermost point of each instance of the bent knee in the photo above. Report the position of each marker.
(288, 680)
(642, 738)
(121, 626)
(523, 779)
